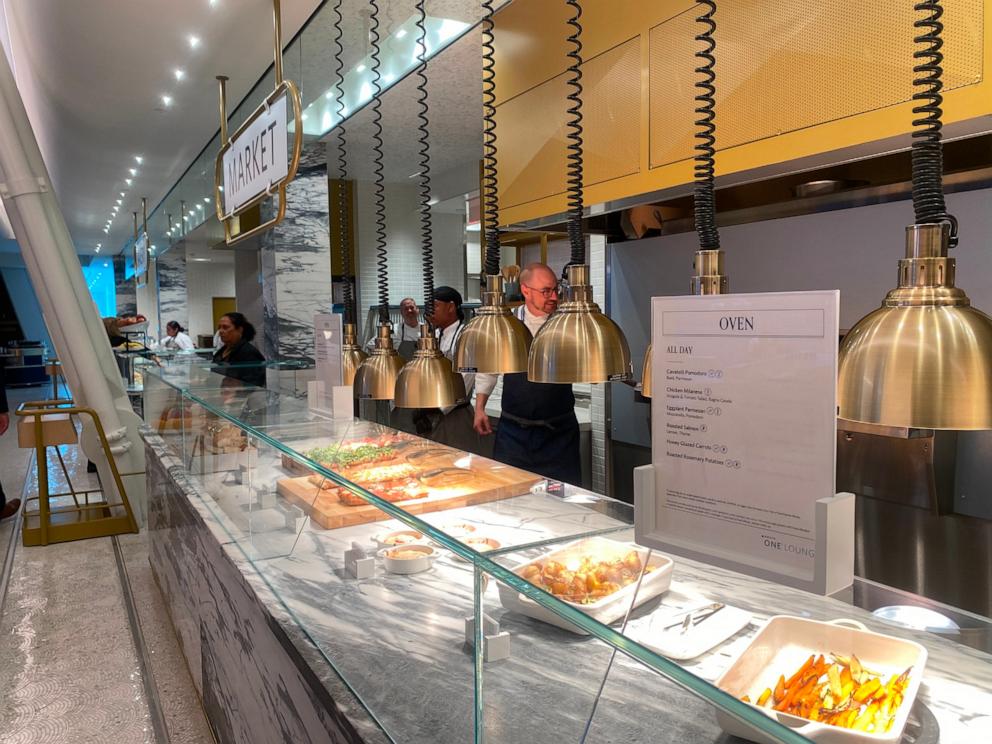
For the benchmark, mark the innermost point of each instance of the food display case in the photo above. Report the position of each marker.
(333, 579)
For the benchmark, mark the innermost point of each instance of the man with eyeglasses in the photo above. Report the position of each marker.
(537, 429)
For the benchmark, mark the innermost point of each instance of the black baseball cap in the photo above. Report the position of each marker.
(448, 294)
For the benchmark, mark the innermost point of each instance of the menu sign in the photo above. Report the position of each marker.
(743, 425)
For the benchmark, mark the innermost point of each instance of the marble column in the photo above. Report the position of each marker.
(296, 262)
(127, 299)
(172, 295)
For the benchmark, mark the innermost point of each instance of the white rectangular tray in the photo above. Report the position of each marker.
(785, 643)
(610, 608)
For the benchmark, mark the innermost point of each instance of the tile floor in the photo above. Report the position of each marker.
(69, 668)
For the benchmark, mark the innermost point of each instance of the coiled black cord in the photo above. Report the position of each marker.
(927, 150)
(382, 272)
(344, 234)
(490, 194)
(705, 198)
(576, 238)
(426, 233)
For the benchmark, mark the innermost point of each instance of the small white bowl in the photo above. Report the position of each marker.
(399, 538)
(408, 559)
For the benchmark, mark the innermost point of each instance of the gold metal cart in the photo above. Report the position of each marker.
(50, 423)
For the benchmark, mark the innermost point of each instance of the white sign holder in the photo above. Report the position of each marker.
(326, 394)
(744, 438)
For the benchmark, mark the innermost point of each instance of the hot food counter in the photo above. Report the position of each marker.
(335, 580)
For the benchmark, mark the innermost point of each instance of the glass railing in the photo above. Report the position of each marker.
(451, 535)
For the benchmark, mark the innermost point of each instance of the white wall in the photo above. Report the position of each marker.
(403, 247)
(204, 282)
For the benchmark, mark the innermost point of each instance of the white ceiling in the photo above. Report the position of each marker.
(92, 73)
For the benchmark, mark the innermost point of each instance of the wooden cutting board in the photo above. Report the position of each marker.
(491, 481)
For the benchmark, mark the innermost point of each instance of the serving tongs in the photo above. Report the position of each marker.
(695, 616)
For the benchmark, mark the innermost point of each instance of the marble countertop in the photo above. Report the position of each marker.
(398, 641)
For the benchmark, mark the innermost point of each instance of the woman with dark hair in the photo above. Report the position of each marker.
(238, 357)
(176, 338)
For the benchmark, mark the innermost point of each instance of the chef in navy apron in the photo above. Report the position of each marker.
(452, 425)
(405, 335)
(537, 429)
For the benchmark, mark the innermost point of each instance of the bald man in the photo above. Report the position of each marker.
(537, 428)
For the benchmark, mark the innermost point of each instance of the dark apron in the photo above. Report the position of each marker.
(537, 429)
(406, 345)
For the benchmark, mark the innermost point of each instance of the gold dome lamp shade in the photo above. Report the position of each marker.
(578, 343)
(922, 360)
(494, 341)
(709, 279)
(427, 380)
(375, 378)
(352, 355)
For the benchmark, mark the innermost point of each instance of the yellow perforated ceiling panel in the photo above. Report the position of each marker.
(784, 66)
(534, 122)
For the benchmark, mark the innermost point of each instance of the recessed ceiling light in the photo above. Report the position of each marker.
(194, 41)
(401, 33)
(97, 249)
(119, 202)
(138, 159)
(360, 68)
(166, 100)
(133, 171)
(127, 181)
(179, 73)
(106, 231)
(206, 200)
(432, 202)
(303, 117)
(123, 193)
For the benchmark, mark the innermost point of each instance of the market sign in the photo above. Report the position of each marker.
(257, 158)
(257, 161)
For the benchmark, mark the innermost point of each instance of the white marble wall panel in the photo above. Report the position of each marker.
(126, 292)
(296, 263)
(173, 301)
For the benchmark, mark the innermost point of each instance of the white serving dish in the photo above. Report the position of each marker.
(784, 644)
(412, 538)
(408, 565)
(606, 610)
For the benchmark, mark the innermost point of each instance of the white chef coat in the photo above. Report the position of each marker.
(447, 342)
(181, 342)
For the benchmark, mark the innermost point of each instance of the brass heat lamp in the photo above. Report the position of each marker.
(578, 343)
(352, 355)
(494, 341)
(924, 359)
(709, 279)
(375, 378)
(427, 380)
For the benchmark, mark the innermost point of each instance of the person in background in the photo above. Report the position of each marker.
(113, 329)
(452, 425)
(177, 338)
(236, 333)
(405, 337)
(537, 428)
(7, 508)
(217, 342)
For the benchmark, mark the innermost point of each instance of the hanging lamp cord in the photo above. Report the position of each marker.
(490, 195)
(576, 238)
(927, 150)
(344, 233)
(705, 197)
(382, 272)
(426, 232)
